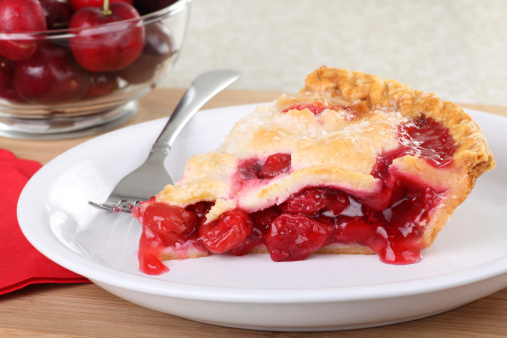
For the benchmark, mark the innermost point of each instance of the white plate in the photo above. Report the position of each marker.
(468, 260)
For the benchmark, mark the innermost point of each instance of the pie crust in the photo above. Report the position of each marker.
(356, 119)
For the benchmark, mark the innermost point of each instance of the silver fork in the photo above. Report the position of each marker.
(147, 180)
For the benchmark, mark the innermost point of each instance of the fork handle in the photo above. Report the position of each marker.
(202, 89)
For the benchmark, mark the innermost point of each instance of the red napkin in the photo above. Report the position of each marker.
(20, 263)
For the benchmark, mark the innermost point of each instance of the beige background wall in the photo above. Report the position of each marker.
(455, 48)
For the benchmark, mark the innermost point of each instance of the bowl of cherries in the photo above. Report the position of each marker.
(72, 68)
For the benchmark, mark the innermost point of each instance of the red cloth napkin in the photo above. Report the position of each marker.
(20, 263)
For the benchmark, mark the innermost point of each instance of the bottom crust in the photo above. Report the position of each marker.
(174, 253)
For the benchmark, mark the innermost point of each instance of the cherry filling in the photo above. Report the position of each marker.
(390, 223)
(423, 137)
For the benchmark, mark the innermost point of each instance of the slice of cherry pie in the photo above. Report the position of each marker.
(353, 165)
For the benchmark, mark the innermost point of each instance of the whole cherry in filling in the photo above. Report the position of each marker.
(229, 231)
(275, 165)
(170, 223)
(295, 237)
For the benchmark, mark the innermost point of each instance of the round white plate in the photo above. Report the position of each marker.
(468, 260)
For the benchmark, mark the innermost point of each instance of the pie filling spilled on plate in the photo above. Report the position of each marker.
(352, 165)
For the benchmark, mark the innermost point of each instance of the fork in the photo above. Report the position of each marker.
(148, 179)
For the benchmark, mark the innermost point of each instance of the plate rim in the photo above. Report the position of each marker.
(143, 283)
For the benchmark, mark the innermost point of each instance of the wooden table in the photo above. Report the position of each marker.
(85, 310)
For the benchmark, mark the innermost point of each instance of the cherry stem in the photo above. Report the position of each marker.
(106, 10)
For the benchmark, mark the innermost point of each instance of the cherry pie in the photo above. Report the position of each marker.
(353, 165)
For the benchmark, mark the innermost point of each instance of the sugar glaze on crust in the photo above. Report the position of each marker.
(337, 148)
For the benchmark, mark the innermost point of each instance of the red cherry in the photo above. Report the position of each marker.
(6, 87)
(337, 201)
(275, 165)
(10, 94)
(295, 237)
(308, 202)
(228, 232)
(57, 13)
(20, 17)
(356, 230)
(263, 219)
(107, 48)
(78, 4)
(157, 49)
(169, 223)
(253, 240)
(50, 76)
(6, 70)
(101, 84)
(149, 6)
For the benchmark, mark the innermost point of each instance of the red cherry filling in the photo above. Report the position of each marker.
(308, 202)
(150, 249)
(229, 231)
(169, 223)
(275, 165)
(390, 223)
(261, 223)
(422, 137)
(295, 237)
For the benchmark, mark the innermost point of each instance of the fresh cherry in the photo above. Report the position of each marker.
(57, 13)
(228, 232)
(6, 87)
(295, 237)
(101, 84)
(78, 4)
(50, 76)
(157, 49)
(20, 16)
(149, 6)
(97, 47)
(5, 72)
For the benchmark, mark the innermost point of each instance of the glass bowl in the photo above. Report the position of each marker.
(73, 101)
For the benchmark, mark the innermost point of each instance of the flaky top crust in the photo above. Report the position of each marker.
(336, 148)
(473, 152)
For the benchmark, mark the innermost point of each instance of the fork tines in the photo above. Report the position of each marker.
(121, 206)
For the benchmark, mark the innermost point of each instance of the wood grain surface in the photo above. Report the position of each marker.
(85, 310)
